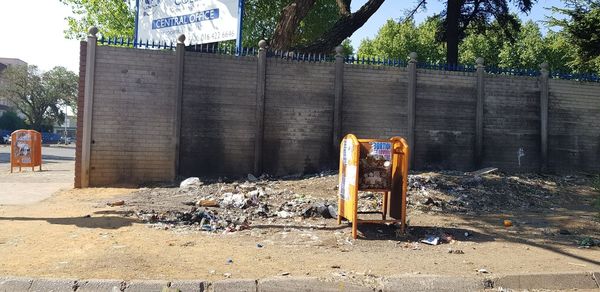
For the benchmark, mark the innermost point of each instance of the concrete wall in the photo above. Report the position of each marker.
(512, 122)
(217, 116)
(445, 120)
(574, 126)
(133, 113)
(134, 137)
(374, 101)
(298, 116)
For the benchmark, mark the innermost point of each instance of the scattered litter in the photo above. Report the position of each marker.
(482, 271)
(229, 261)
(508, 223)
(456, 251)
(285, 274)
(190, 182)
(259, 245)
(252, 178)
(579, 265)
(227, 275)
(285, 214)
(335, 266)
(564, 232)
(482, 171)
(432, 240)
(116, 203)
(587, 242)
(207, 203)
(467, 234)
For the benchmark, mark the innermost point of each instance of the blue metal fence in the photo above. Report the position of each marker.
(356, 59)
(230, 49)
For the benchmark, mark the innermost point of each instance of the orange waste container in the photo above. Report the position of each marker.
(25, 149)
(373, 165)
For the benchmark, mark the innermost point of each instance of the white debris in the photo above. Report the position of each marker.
(190, 181)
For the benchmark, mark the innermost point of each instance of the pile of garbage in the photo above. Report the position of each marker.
(236, 205)
(452, 191)
(227, 207)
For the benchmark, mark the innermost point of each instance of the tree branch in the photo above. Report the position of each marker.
(343, 28)
(290, 18)
(412, 13)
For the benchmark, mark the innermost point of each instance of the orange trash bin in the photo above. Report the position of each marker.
(374, 165)
(26, 149)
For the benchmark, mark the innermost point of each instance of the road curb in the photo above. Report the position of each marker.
(560, 281)
(551, 281)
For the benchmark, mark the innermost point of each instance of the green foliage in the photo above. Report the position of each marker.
(581, 29)
(528, 50)
(39, 95)
(11, 121)
(348, 48)
(396, 40)
(111, 17)
(117, 18)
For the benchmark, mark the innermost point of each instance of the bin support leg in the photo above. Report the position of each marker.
(385, 205)
(354, 229)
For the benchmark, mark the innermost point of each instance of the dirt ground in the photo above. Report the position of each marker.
(75, 234)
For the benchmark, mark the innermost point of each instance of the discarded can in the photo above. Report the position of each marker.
(507, 223)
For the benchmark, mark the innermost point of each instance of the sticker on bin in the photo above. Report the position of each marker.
(381, 149)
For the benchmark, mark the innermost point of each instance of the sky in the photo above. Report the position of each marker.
(42, 42)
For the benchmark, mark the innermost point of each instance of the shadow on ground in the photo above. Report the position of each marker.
(106, 222)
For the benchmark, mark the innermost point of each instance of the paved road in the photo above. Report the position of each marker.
(28, 186)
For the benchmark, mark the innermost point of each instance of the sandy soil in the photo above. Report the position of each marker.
(75, 234)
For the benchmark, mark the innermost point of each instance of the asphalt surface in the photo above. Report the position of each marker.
(27, 186)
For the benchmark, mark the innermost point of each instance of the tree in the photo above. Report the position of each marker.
(39, 95)
(308, 25)
(483, 42)
(528, 50)
(581, 28)
(396, 40)
(111, 17)
(11, 121)
(461, 14)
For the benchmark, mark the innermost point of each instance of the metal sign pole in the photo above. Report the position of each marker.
(238, 41)
(137, 13)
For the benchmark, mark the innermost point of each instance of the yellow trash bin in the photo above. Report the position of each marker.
(374, 165)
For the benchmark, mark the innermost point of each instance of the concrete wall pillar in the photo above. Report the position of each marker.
(544, 116)
(338, 100)
(411, 109)
(261, 82)
(88, 97)
(479, 112)
(179, 67)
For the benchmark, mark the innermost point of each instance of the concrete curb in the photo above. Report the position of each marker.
(556, 281)
(560, 281)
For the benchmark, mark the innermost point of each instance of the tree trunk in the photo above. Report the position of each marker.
(452, 15)
(290, 18)
(343, 28)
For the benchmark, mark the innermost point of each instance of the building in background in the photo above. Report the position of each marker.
(5, 63)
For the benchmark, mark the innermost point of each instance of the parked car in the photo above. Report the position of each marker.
(6, 139)
(65, 140)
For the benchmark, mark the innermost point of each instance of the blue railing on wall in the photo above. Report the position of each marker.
(589, 77)
(512, 71)
(352, 59)
(299, 56)
(362, 60)
(446, 67)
